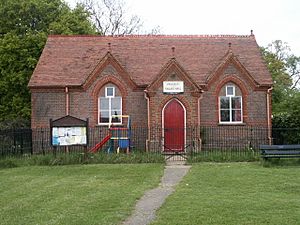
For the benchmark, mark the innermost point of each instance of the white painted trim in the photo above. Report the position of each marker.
(107, 124)
(163, 122)
(230, 110)
(233, 90)
(148, 120)
(269, 121)
(67, 100)
(109, 96)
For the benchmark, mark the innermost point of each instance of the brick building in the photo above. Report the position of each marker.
(172, 83)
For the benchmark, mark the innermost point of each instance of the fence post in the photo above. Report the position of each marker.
(21, 144)
(31, 141)
(42, 131)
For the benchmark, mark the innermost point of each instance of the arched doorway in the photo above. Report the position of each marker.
(173, 126)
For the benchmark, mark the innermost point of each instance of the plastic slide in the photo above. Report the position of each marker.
(100, 144)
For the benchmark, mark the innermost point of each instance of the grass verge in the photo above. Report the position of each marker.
(224, 156)
(234, 193)
(80, 158)
(80, 194)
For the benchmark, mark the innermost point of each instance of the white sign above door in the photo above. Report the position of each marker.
(173, 87)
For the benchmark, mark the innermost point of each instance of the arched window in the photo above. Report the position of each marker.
(230, 104)
(110, 103)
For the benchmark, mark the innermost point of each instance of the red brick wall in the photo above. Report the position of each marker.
(254, 100)
(51, 104)
(46, 105)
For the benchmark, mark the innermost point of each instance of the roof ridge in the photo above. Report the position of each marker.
(156, 36)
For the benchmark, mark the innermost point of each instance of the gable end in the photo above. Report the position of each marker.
(107, 60)
(173, 66)
(231, 59)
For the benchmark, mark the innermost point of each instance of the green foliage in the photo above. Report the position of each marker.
(24, 26)
(18, 57)
(285, 70)
(289, 115)
(275, 56)
(74, 21)
(286, 124)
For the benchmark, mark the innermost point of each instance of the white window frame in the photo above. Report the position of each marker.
(106, 92)
(230, 107)
(233, 90)
(109, 97)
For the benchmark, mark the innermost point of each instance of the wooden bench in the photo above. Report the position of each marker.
(280, 151)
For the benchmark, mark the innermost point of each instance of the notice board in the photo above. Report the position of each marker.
(68, 130)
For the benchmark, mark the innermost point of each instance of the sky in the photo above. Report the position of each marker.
(269, 19)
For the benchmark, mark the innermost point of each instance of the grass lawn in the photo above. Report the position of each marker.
(80, 194)
(234, 193)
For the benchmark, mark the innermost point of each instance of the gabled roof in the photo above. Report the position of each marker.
(172, 66)
(71, 60)
(230, 58)
(68, 121)
(108, 59)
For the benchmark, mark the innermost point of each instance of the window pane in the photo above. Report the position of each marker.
(104, 103)
(236, 115)
(225, 116)
(110, 92)
(104, 117)
(110, 105)
(230, 91)
(116, 103)
(224, 102)
(116, 119)
(236, 102)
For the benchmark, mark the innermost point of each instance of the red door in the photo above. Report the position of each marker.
(173, 127)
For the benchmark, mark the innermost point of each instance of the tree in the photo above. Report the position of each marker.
(289, 63)
(24, 26)
(110, 18)
(285, 70)
(74, 21)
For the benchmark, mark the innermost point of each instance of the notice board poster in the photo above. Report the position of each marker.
(65, 136)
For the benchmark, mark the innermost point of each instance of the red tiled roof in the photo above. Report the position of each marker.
(69, 60)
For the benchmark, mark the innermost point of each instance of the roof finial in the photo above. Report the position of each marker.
(109, 47)
(251, 32)
(229, 46)
(173, 52)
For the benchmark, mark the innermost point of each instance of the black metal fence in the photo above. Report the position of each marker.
(198, 140)
(15, 142)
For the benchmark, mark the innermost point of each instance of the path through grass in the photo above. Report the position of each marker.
(81, 194)
(234, 194)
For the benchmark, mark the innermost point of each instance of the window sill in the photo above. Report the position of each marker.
(232, 124)
(107, 124)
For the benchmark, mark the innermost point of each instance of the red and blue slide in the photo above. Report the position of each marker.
(100, 144)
